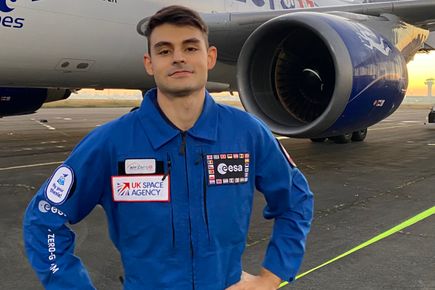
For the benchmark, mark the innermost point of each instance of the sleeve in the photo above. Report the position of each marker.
(289, 202)
(67, 196)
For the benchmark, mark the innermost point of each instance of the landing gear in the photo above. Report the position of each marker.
(318, 140)
(356, 136)
(342, 139)
(430, 121)
(359, 135)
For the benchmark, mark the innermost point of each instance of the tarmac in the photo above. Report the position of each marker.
(361, 190)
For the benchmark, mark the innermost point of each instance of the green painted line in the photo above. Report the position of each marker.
(405, 224)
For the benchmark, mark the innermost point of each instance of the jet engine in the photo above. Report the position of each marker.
(18, 101)
(313, 75)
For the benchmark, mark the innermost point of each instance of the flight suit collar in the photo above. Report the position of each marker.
(160, 130)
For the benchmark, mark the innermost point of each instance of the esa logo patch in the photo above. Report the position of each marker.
(228, 168)
(45, 207)
(59, 185)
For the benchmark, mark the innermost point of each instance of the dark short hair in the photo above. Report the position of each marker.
(176, 15)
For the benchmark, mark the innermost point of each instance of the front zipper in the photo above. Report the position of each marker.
(183, 143)
(183, 153)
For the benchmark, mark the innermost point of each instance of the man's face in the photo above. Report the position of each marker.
(179, 59)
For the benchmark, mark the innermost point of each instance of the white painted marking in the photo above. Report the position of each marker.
(67, 119)
(431, 144)
(45, 125)
(53, 142)
(385, 128)
(411, 122)
(30, 165)
(282, 137)
(48, 126)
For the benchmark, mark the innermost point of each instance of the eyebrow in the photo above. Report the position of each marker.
(192, 40)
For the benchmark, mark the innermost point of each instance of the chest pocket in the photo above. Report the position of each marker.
(228, 197)
(141, 207)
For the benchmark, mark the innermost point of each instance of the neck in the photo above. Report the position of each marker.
(182, 111)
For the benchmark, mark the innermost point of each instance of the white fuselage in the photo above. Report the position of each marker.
(95, 44)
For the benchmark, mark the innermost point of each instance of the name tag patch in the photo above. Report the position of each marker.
(227, 168)
(140, 166)
(141, 188)
(59, 185)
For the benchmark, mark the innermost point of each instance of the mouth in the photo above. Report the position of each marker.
(180, 73)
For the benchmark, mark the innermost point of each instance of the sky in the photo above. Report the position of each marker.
(422, 67)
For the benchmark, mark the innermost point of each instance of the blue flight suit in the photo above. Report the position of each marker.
(192, 236)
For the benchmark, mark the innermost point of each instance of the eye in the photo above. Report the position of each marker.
(191, 49)
(163, 52)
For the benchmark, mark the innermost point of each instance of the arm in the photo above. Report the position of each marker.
(68, 196)
(289, 203)
(49, 245)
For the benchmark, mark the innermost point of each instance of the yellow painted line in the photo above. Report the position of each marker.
(405, 224)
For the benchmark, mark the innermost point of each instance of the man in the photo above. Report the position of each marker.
(176, 179)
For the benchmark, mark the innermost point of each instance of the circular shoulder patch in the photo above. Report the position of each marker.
(60, 185)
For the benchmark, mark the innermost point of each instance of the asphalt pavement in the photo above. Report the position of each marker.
(361, 189)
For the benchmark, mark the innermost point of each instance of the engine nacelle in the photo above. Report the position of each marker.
(316, 75)
(19, 101)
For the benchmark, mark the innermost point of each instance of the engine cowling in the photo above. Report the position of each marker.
(314, 75)
(20, 101)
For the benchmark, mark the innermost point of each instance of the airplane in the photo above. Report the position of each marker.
(308, 68)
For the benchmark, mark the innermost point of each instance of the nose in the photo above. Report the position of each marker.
(178, 56)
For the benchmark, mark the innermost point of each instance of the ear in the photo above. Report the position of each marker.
(148, 64)
(211, 57)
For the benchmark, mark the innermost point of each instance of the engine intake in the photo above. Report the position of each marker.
(312, 75)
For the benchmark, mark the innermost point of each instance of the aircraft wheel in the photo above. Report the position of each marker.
(359, 135)
(342, 139)
(318, 140)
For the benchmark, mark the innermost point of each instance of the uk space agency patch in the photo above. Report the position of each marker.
(59, 185)
(141, 188)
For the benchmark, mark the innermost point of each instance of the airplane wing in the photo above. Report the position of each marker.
(430, 42)
(323, 72)
(230, 30)
(418, 12)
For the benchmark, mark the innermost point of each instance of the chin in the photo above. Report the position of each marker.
(182, 91)
(179, 92)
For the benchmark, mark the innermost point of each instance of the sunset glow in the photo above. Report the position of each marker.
(420, 69)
